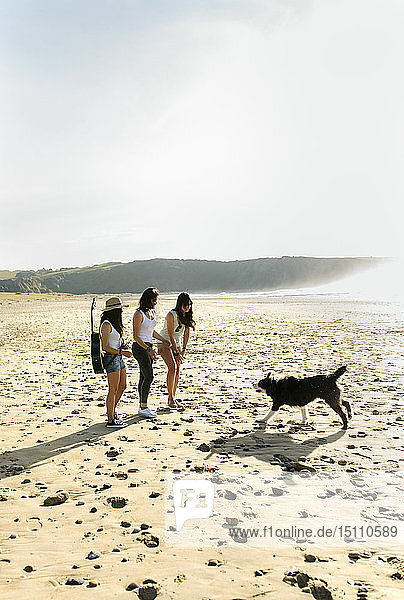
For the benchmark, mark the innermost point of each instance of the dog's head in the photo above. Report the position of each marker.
(265, 385)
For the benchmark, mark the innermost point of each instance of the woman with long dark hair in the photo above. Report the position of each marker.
(178, 323)
(144, 323)
(113, 344)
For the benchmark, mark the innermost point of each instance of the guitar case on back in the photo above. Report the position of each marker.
(96, 352)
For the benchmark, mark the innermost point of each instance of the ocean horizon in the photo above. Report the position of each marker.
(383, 283)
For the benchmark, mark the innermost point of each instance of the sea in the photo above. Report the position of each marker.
(382, 283)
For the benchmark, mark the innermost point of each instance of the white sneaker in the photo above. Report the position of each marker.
(116, 424)
(146, 412)
(117, 418)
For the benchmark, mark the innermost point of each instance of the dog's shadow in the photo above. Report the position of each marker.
(264, 445)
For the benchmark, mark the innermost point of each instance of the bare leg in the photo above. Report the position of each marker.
(113, 384)
(305, 415)
(121, 387)
(168, 358)
(267, 417)
(176, 379)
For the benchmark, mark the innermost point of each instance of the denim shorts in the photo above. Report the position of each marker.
(113, 362)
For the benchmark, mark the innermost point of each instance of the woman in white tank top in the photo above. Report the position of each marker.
(177, 325)
(113, 344)
(144, 322)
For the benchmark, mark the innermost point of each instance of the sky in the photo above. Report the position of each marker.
(212, 129)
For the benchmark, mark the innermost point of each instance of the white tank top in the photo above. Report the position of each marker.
(115, 339)
(147, 327)
(178, 329)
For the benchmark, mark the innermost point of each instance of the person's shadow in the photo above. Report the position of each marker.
(33, 456)
(259, 443)
(265, 445)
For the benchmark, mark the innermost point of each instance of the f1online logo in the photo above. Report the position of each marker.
(193, 499)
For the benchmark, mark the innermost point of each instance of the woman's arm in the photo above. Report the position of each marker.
(170, 331)
(105, 333)
(137, 323)
(180, 357)
(185, 340)
(160, 338)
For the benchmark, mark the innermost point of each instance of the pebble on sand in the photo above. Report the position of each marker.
(149, 540)
(318, 588)
(310, 558)
(59, 498)
(203, 447)
(148, 591)
(28, 569)
(131, 587)
(320, 592)
(75, 581)
(117, 502)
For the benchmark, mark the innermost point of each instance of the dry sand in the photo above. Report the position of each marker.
(53, 437)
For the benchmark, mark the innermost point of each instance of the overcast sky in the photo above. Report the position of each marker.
(217, 129)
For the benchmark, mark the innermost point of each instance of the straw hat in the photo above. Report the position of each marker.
(113, 303)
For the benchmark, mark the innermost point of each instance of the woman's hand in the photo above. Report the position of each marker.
(152, 353)
(126, 353)
(179, 358)
(158, 337)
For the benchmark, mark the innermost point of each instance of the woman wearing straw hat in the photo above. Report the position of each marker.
(113, 344)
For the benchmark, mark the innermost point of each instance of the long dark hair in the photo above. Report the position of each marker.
(145, 302)
(186, 318)
(114, 316)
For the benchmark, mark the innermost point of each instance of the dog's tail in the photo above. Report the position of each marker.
(338, 373)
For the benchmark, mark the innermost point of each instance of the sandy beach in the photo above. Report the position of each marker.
(53, 439)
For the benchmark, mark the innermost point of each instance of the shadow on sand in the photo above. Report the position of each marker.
(33, 456)
(263, 445)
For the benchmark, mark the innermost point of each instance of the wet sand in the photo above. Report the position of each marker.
(53, 438)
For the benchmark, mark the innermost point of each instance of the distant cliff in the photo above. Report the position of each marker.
(173, 275)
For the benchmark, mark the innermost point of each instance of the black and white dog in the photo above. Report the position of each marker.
(299, 392)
